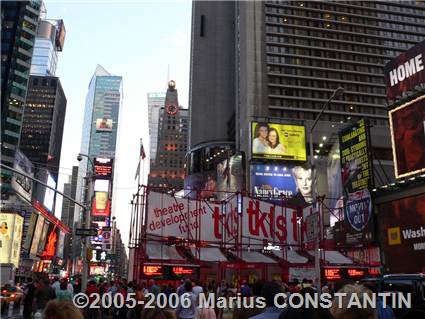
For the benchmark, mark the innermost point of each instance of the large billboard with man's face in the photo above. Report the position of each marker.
(278, 141)
(407, 124)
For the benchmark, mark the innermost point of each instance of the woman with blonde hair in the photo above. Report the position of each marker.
(61, 309)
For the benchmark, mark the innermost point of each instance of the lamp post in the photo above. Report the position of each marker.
(337, 93)
(86, 221)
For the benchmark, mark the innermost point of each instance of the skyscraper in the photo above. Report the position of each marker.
(155, 102)
(49, 41)
(43, 124)
(19, 26)
(168, 170)
(290, 57)
(100, 125)
(70, 189)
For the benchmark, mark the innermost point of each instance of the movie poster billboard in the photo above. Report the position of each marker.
(101, 204)
(407, 124)
(406, 71)
(357, 180)
(104, 125)
(30, 231)
(10, 237)
(278, 141)
(21, 184)
(402, 232)
(43, 237)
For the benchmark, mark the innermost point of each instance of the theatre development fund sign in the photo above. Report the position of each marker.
(357, 180)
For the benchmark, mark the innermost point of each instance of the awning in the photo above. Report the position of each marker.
(209, 254)
(161, 251)
(293, 257)
(256, 257)
(333, 257)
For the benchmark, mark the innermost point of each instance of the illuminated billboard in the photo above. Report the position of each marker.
(10, 237)
(278, 141)
(406, 71)
(103, 168)
(407, 124)
(402, 232)
(101, 204)
(101, 185)
(49, 195)
(104, 125)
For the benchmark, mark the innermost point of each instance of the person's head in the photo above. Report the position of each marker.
(61, 309)
(261, 130)
(342, 311)
(92, 282)
(273, 137)
(303, 176)
(29, 280)
(63, 285)
(188, 285)
(269, 290)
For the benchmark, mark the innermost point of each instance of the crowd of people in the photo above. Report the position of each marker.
(54, 300)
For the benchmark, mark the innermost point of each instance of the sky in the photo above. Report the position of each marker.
(138, 40)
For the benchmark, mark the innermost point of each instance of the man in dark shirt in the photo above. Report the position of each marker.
(43, 294)
(29, 298)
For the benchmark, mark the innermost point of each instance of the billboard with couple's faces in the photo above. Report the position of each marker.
(278, 141)
(10, 237)
(407, 124)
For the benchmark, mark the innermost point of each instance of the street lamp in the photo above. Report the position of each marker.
(86, 217)
(336, 94)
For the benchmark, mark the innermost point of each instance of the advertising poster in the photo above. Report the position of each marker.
(104, 125)
(219, 183)
(334, 179)
(278, 141)
(43, 237)
(7, 222)
(407, 124)
(30, 231)
(357, 180)
(101, 204)
(51, 242)
(17, 240)
(37, 235)
(406, 71)
(60, 244)
(402, 232)
(21, 184)
(294, 182)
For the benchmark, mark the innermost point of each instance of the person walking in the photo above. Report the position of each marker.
(29, 293)
(64, 293)
(43, 294)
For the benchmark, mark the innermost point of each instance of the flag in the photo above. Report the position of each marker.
(137, 171)
(142, 151)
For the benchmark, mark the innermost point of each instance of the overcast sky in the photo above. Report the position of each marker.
(134, 39)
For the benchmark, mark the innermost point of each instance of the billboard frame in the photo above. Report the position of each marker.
(390, 114)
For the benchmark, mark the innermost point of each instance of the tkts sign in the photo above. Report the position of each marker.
(260, 221)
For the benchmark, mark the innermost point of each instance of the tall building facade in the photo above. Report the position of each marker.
(100, 125)
(43, 124)
(70, 189)
(290, 56)
(168, 171)
(49, 41)
(19, 28)
(155, 102)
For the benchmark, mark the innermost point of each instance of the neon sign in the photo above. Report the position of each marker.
(355, 272)
(182, 271)
(152, 270)
(332, 274)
